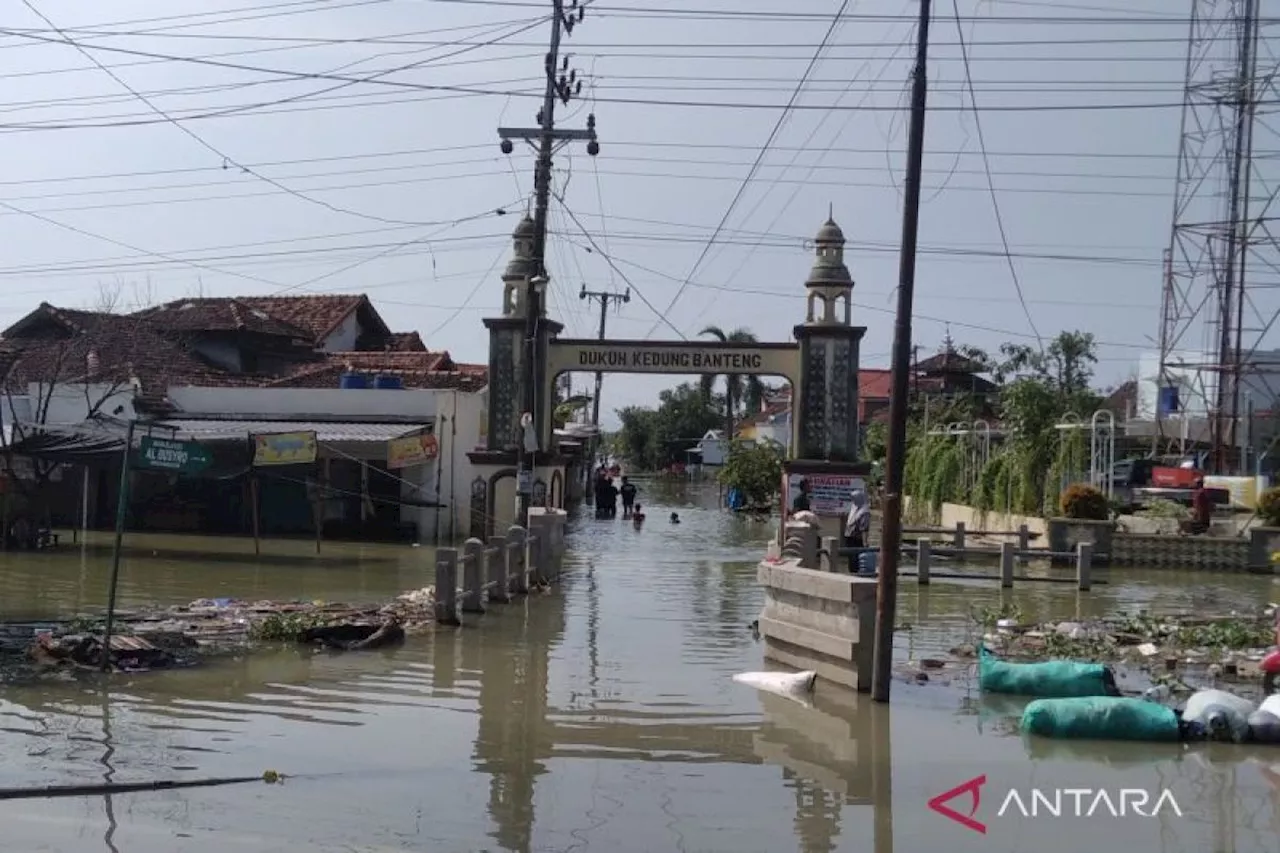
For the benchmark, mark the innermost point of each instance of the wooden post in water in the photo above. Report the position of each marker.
(447, 586)
(924, 556)
(895, 459)
(1024, 542)
(255, 506)
(473, 576)
(1084, 566)
(498, 557)
(1006, 564)
(122, 509)
(957, 538)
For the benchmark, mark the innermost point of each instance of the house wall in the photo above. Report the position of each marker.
(447, 478)
(343, 338)
(713, 451)
(457, 417)
(64, 404)
(778, 431)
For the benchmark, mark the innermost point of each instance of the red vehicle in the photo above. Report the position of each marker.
(1169, 477)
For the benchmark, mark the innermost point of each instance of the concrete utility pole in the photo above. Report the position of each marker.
(891, 532)
(562, 85)
(605, 298)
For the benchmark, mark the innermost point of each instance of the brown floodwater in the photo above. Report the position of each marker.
(600, 716)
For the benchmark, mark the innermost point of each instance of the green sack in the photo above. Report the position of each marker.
(1101, 718)
(1051, 679)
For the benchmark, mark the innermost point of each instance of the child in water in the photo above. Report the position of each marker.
(637, 516)
(675, 518)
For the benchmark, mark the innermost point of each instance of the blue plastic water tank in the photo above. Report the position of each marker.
(868, 563)
(1169, 399)
(353, 380)
(384, 382)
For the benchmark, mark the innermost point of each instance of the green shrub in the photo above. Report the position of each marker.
(1269, 507)
(1161, 508)
(1084, 502)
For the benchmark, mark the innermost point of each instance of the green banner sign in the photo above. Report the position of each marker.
(163, 454)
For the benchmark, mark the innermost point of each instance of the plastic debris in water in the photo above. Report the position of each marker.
(783, 683)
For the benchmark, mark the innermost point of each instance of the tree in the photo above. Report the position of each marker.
(653, 439)
(64, 370)
(567, 407)
(755, 469)
(1066, 364)
(738, 388)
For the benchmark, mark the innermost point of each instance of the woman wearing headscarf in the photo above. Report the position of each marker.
(857, 525)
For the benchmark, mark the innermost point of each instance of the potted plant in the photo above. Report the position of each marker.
(1085, 517)
(1264, 540)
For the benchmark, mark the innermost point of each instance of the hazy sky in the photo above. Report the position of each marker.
(264, 182)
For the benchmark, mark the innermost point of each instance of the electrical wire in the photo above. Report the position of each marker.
(772, 15)
(217, 151)
(486, 145)
(670, 103)
(804, 147)
(940, 320)
(763, 152)
(991, 185)
(608, 259)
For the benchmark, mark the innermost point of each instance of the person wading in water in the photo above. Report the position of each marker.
(857, 525)
(628, 497)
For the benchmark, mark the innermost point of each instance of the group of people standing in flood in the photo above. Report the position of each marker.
(607, 494)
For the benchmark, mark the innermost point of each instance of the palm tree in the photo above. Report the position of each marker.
(737, 387)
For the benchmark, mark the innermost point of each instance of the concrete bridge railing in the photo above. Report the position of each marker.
(817, 620)
(468, 580)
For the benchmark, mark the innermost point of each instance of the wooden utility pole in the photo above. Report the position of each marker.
(562, 86)
(891, 532)
(605, 298)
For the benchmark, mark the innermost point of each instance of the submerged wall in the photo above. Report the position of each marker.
(819, 621)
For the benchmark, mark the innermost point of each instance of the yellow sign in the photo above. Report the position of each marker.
(412, 450)
(284, 448)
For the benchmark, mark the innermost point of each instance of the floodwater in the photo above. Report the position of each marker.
(599, 716)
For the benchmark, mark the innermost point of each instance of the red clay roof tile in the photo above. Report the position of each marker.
(219, 315)
(318, 315)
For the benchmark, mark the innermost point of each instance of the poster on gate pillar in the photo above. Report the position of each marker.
(826, 494)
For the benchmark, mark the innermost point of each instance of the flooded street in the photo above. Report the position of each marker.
(598, 716)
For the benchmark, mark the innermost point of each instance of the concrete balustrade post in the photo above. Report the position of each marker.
(498, 558)
(1084, 566)
(1006, 564)
(831, 550)
(536, 561)
(473, 576)
(447, 586)
(517, 539)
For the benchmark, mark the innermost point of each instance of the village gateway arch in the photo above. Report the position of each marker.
(821, 365)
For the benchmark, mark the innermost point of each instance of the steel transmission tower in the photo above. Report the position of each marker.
(1223, 252)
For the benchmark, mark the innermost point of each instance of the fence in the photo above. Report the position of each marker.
(497, 571)
(802, 543)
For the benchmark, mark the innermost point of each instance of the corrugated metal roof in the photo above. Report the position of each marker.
(226, 430)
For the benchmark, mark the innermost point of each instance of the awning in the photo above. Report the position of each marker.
(228, 430)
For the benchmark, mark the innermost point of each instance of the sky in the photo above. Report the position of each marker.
(243, 147)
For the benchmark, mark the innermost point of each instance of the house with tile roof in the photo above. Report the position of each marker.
(218, 370)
